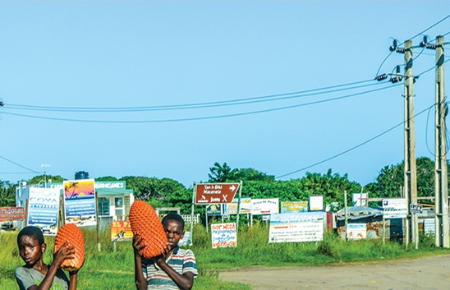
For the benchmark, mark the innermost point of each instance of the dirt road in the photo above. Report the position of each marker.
(422, 273)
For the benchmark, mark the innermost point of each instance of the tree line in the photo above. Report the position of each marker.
(167, 192)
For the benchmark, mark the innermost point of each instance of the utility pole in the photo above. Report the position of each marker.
(441, 180)
(412, 228)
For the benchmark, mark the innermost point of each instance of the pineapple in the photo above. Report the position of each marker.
(146, 224)
(72, 234)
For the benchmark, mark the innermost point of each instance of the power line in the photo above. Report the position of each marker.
(268, 98)
(205, 117)
(21, 166)
(350, 149)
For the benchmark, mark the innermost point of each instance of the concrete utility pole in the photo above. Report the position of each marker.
(440, 165)
(412, 228)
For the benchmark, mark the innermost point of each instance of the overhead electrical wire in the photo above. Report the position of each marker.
(418, 34)
(350, 149)
(21, 166)
(205, 117)
(252, 100)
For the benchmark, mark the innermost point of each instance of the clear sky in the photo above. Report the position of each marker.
(167, 88)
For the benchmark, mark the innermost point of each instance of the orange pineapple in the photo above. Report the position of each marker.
(72, 234)
(146, 224)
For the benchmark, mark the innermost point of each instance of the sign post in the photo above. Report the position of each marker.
(212, 193)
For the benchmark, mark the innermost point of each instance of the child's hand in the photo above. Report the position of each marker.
(137, 246)
(66, 251)
(162, 258)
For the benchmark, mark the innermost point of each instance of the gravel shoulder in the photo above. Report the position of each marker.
(421, 273)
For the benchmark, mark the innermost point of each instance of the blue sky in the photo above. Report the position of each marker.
(167, 88)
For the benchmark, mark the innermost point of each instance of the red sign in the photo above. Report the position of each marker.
(12, 213)
(215, 192)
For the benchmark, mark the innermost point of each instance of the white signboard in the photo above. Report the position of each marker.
(296, 227)
(223, 235)
(394, 208)
(315, 203)
(265, 206)
(360, 199)
(244, 207)
(356, 231)
(43, 208)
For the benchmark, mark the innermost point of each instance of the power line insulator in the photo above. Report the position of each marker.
(395, 79)
(381, 77)
(393, 47)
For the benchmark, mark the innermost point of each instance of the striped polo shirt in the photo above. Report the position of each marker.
(181, 260)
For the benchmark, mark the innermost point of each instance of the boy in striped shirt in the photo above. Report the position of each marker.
(174, 269)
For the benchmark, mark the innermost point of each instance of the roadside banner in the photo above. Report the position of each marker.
(79, 202)
(223, 235)
(43, 209)
(12, 213)
(294, 206)
(315, 203)
(214, 209)
(121, 231)
(265, 206)
(296, 227)
(245, 206)
(395, 208)
(356, 231)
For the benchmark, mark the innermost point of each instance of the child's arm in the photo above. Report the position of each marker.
(184, 281)
(139, 279)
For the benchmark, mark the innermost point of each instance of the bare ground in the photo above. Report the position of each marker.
(421, 273)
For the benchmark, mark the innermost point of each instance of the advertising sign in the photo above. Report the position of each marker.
(356, 231)
(215, 192)
(245, 206)
(43, 209)
(395, 208)
(121, 231)
(265, 206)
(360, 199)
(214, 210)
(12, 213)
(294, 206)
(79, 202)
(223, 235)
(315, 203)
(296, 227)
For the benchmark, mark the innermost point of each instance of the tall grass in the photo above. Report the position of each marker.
(113, 268)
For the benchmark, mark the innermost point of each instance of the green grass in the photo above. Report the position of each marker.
(109, 269)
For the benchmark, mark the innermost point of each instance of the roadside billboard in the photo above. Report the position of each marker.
(79, 202)
(265, 206)
(12, 213)
(294, 206)
(223, 235)
(296, 227)
(43, 209)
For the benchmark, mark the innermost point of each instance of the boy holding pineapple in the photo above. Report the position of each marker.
(35, 274)
(174, 269)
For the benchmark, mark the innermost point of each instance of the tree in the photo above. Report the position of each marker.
(221, 173)
(45, 178)
(7, 194)
(391, 179)
(106, 178)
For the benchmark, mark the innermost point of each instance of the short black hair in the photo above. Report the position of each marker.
(32, 232)
(174, 216)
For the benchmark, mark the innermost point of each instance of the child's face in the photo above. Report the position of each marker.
(30, 251)
(174, 232)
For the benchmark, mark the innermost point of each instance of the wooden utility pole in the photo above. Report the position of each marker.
(440, 164)
(412, 228)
